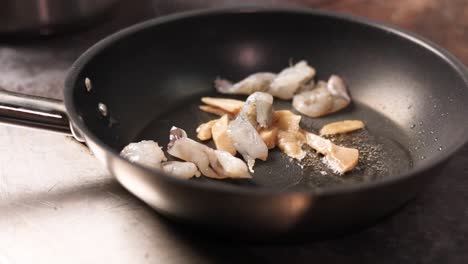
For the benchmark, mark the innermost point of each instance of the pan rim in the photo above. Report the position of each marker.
(84, 58)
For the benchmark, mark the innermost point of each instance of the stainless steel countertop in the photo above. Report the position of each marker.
(58, 204)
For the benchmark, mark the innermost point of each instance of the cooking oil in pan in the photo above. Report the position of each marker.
(380, 145)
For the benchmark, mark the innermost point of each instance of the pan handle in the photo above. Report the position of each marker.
(35, 112)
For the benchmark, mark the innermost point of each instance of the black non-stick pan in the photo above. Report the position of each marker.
(411, 94)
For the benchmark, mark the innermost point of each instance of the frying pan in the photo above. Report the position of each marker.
(149, 77)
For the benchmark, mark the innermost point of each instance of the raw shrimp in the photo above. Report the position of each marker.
(337, 88)
(182, 147)
(247, 141)
(228, 166)
(149, 154)
(326, 98)
(306, 87)
(253, 83)
(211, 163)
(258, 109)
(288, 81)
(181, 169)
(314, 103)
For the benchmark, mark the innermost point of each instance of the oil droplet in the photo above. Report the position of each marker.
(103, 109)
(436, 139)
(439, 149)
(413, 126)
(88, 84)
(416, 148)
(432, 132)
(421, 123)
(423, 157)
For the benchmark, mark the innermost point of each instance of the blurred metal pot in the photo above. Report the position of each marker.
(46, 16)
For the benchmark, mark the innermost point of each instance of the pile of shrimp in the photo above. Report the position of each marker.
(252, 127)
(297, 83)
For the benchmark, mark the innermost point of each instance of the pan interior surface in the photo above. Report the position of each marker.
(408, 96)
(381, 145)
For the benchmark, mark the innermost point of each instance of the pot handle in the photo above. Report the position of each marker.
(35, 112)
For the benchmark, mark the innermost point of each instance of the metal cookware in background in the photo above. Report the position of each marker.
(152, 75)
(48, 16)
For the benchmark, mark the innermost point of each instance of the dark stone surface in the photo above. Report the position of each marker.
(433, 228)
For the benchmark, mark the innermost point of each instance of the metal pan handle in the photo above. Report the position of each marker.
(35, 112)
